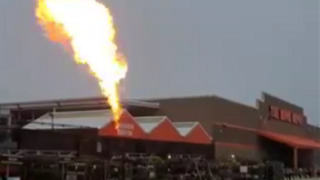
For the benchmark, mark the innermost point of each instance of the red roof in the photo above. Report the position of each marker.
(294, 141)
(128, 128)
(159, 128)
(193, 132)
(198, 135)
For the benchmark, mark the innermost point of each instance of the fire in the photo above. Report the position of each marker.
(87, 27)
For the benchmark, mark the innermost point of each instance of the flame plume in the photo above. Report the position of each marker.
(87, 27)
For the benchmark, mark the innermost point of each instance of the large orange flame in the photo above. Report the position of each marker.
(87, 27)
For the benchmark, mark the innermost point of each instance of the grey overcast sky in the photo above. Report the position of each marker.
(231, 48)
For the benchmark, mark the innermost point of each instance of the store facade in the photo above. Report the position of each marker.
(273, 129)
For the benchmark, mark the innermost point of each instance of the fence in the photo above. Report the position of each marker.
(55, 166)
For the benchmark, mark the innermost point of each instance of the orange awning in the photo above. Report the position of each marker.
(159, 128)
(293, 141)
(128, 128)
(193, 132)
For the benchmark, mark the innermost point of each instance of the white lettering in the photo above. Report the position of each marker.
(126, 126)
(124, 132)
(125, 129)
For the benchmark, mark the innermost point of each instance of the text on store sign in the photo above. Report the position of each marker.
(286, 115)
(125, 129)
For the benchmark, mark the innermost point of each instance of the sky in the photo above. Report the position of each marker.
(230, 48)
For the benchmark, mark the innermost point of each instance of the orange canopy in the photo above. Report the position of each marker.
(159, 128)
(128, 128)
(293, 141)
(193, 132)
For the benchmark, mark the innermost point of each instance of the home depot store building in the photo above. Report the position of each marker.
(272, 130)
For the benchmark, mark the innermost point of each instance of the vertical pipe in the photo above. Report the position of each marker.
(52, 118)
(7, 171)
(295, 157)
(105, 170)
(62, 170)
(9, 122)
(19, 115)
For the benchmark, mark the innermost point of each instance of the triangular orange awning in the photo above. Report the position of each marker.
(293, 141)
(198, 135)
(159, 128)
(128, 128)
(193, 132)
(165, 131)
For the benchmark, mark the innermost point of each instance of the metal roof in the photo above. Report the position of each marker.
(71, 120)
(184, 128)
(148, 123)
(59, 103)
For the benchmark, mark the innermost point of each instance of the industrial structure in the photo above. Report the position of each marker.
(211, 126)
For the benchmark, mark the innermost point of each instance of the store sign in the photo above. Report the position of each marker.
(286, 115)
(125, 129)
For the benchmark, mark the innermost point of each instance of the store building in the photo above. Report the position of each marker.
(272, 129)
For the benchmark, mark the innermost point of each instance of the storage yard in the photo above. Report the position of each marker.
(195, 136)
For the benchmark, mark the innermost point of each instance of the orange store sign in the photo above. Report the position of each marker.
(286, 115)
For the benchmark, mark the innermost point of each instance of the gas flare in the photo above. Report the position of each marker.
(87, 27)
